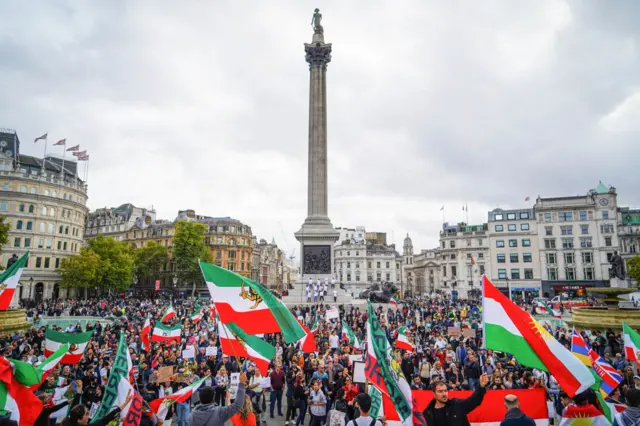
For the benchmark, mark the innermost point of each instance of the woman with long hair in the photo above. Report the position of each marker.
(246, 416)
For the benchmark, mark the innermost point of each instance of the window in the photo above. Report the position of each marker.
(513, 257)
(570, 273)
(46, 262)
(552, 259)
(19, 224)
(498, 217)
(499, 228)
(43, 227)
(48, 243)
(524, 226)
(64, 247)
(452, 244)
(605, 214)
(387, 265)
(586, 242)
(528, 274)
(357, 253)
(567, 243)
(479, 243)
(526, 242)
(549, 243)
(583, 215)
(4, 206)
(588, 274)
(348, 264)
(481, 270)
(609, 257)
(357, 265)
(566, 216)
(454, 271)
(44, 210)
(587, 257)
(502, 274)
(606, 228)
(29, 226)
(38, 262)
(31, 208)
(40, 243)
(468, 243)
(501, 258)
(499, 243)
(61, 229)
(59, 245)
(552, 274)
(566, 230)
(378, 276)
(66, 231)
(548, 230)
(513, 243)
(527, 257)
(23, 188)
(51, 228)
(57, 262)
(369, 266)
(16, 242)
(515, 274)
(480, 255)
(33, 190)
(388, 277)
(547, 217)
(569, 258)
(607, 241)
(348, 253)
(511, 216)
(512, 227)
(21, 208)
(378, 265)
(444, 271)
(524, 215)
(584, 229)
(27, 242)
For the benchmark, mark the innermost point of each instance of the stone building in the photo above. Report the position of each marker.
(46, 208)
(270, 266)
(115, 222)
(422, 273)
(629, 233)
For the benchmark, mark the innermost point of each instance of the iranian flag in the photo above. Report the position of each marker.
(161, 406)
(507, 328)
(235, 342)
(589, 414)
(118, 387)
(393, 302)
(403, 341)
(144, 335)
(168, 314)
(611, 410)
(544, 309)
(16, 396)
(349, 336)
(249, 305)
(383, 374)
(631, 344)
(9, 280)
(197, 314)
(77, 344)
(315, 325)
(53, 360)
(308, 342)
(164, 333)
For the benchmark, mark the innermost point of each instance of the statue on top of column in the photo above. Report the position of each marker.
(316, 22)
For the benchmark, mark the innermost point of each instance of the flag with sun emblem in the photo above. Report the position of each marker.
(507, 328)
(583, 416)
(77, 344)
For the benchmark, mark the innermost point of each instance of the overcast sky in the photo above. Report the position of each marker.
(204, 104)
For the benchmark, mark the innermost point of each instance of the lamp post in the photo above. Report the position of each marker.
(30, 286)
(175, 284)
(135, 282)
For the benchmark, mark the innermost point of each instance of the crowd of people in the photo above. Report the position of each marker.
(321, 387)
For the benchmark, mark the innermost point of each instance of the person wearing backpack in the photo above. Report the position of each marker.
(363, 402)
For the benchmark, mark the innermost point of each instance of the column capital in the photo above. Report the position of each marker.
(318, 54)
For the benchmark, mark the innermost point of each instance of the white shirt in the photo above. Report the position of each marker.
(333, 341)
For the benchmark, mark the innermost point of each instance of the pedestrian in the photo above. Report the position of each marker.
(246, 416)
(443, 411)
(515, 416)
(363, 403)
(277, 386)
(318, 403)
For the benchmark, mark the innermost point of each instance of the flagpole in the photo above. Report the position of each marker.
(44, 161)
(64, 151)
(467, 211)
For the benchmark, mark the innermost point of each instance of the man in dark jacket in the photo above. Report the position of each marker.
(515, 416)
(443, 411)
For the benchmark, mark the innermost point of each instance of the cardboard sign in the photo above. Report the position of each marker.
(454, 331)
(164, 374)
(469, 332)
(211, 351)
(333, 313)
(189, 353)
(234, 381)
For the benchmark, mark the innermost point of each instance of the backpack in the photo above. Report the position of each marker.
(353, 422)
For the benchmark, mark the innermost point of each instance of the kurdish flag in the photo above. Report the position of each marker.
(631, 344)
(9, 280)
(144, 335)
(583, 415)
(239, 343)
(403, 341)
(249, 305)
(349, 336)
(161, 406)
(16, 397)
(77, 344)
(168, 314)
(164, 333)
(507, 328)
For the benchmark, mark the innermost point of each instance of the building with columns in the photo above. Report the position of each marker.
(45, 205)
(629, 233)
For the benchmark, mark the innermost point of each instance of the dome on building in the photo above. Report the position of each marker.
(407, 241)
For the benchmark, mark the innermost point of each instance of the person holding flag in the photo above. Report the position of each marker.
(208, 414)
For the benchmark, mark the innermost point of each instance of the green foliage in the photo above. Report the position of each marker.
(188, 248)
(80, 270)
(633, 269)
(148, 260)
(4, 234)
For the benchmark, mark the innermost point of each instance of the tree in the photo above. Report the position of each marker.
(4, 234)
(148, 260)
(115, 268)
(80, 270)
(633, 269)
(188, 248)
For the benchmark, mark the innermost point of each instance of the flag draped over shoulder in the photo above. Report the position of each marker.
(249, 305)
(9, 279)
(542, 306)
(507, 328)
(118, 387)
(16, 397)
(77, 344)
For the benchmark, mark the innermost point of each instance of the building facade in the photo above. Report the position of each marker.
(45, 204)
(629, 233)
(514, 261)
(270, 266)
(115, 222)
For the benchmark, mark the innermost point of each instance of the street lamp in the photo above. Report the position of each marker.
(30, 286)
(175, 284)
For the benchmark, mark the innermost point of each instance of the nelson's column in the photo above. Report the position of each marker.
(317, 235)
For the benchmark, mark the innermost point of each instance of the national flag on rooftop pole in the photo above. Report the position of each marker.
(164, 333)
(249, 305)
(80, 153)
(349, 336)
(16, 396)
(83, 157)
(235, 342)
(527, 199)
(378, 370)
(507, 328)
(161, 406)
(77, 344)
(74, 148)
(631, 344)
(403, 340)
(118, 387)
(61, 142)
(9, 279)
(168, 314)
(144, 335)
(41, 138)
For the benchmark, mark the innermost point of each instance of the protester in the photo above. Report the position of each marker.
(443, 411)
(515, 416)
(208, 414)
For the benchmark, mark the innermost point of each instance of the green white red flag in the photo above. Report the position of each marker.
(9, 279)
(165, 333)
(544, 308)
(631, 343)
(161, 406)
(308, 342)
(144, 335)
(403, 340)
(235, 342)
(77, 344)
(16, 396)
(393, 301)
(507, 328)
(249, 305)
(349, 336)
(53, 360)
(168, 314)
(315, 325)
(197, 314)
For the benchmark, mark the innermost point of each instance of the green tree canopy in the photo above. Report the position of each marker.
(4, 234)
(188, 248)
(115, 269)
(633, 269)
(80, 270)
(148, 260)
